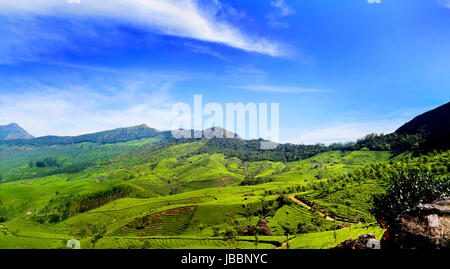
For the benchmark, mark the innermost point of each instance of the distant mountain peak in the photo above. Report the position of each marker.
(13, 131)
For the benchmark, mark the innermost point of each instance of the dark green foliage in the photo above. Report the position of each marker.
(231, 232)
(283, 200)
(406, 189)
(267, 209)
(397, 143)
(2, 211)
(47, 162)
(61, 208)
(230, 235)
(74, 168)
(303, 228)
(434, 125)
(251, 150)
(95, 231)
(251, 180)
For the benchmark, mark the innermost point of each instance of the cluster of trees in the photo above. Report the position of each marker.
(45, 162)
(63, 207)
(251, 150)
(397, 143)
(74, 168)
(54, 167)
(3, 218)
(251, 180)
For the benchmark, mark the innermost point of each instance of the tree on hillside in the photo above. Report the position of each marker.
(248, 213)
(256, 242)
(93, 231)
(288, 229)
(231, 231)
(198, 226)
(266, 209)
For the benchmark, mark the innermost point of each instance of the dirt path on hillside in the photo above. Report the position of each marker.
(285, 243)
(309, 207)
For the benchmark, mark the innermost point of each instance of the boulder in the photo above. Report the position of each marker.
(423, 227)
(364, 241)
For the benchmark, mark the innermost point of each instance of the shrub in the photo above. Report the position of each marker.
(408, 188)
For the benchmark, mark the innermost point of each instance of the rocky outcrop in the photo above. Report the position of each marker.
(423, 227)
(365, 241)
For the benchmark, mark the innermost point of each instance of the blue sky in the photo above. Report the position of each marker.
(339, 69)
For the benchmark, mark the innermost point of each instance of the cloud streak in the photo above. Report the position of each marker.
(181, 18)
(284, 9)
(278, 89)
(281, 10)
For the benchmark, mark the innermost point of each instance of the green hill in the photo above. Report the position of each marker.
(434, 125)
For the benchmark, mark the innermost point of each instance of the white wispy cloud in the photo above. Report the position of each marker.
(281, 10)
(279, 89)
(72, 108)
(182, 18)
(284, 9)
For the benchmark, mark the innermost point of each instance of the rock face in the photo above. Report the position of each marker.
(423, 227)
(365, 241)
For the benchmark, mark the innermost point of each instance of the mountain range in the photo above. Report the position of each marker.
(433, 126)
